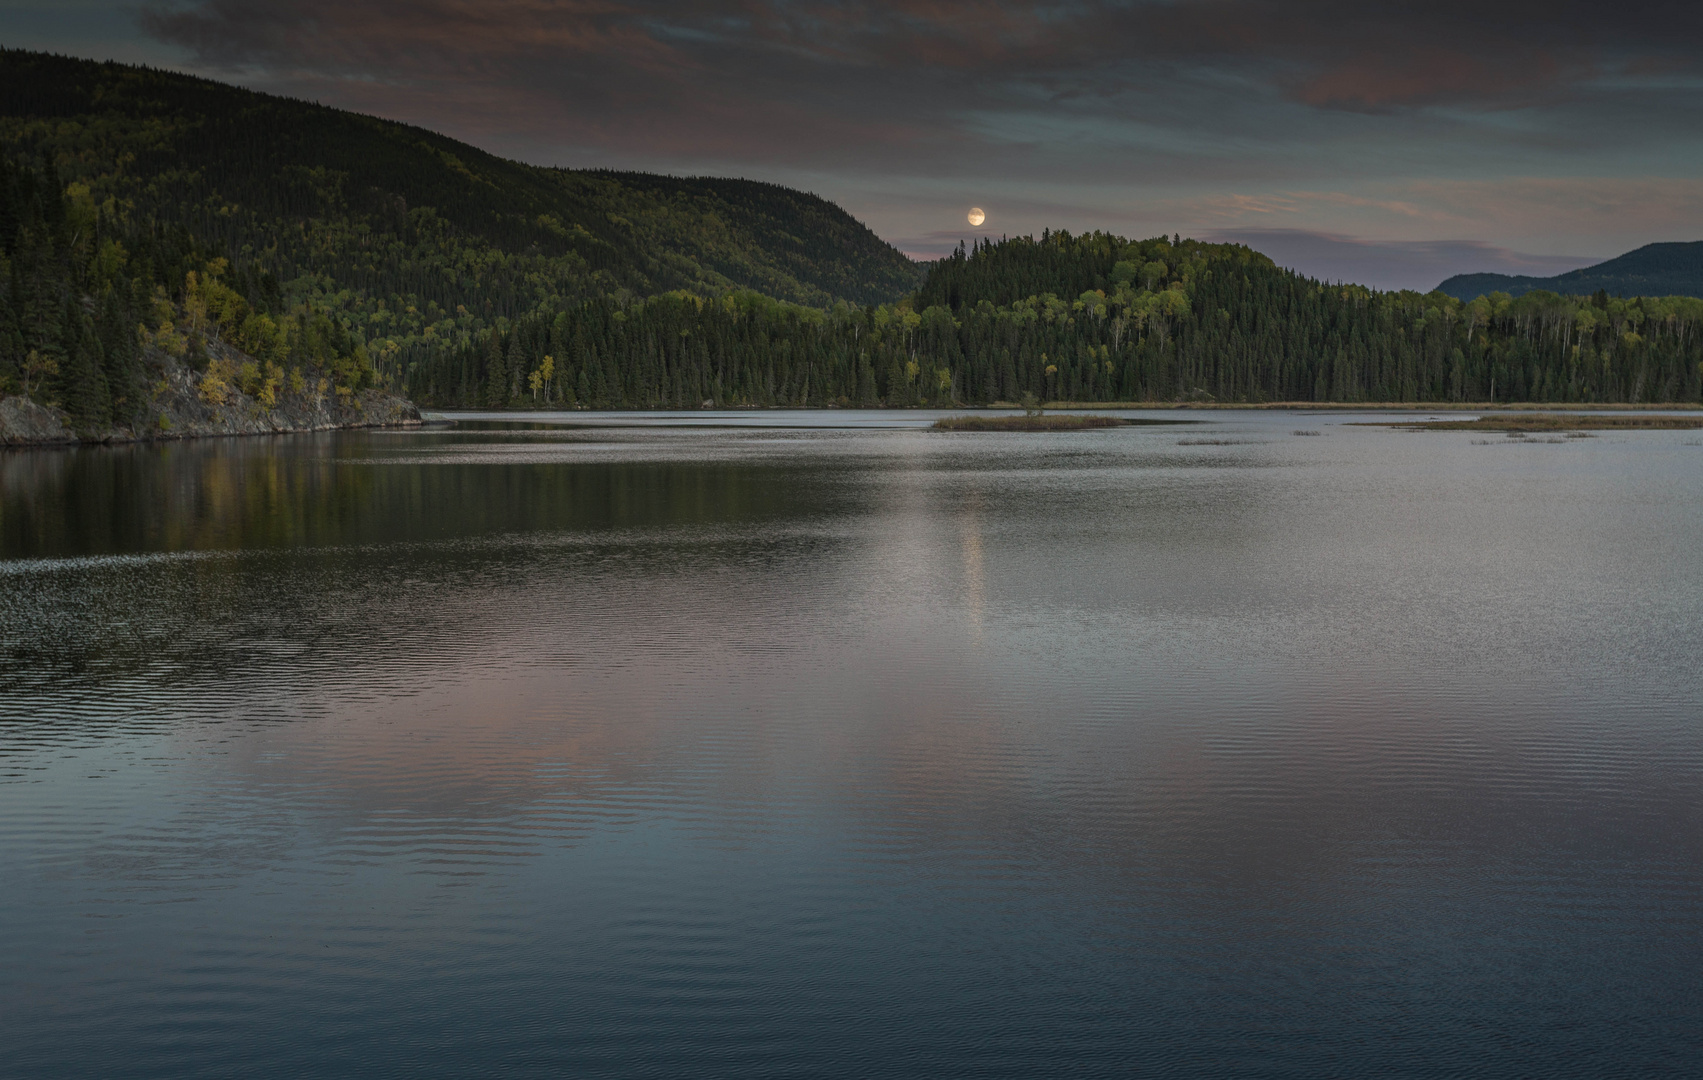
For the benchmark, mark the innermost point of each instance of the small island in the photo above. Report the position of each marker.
(1030, 422)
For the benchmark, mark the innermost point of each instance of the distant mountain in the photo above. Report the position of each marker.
(1652, 270)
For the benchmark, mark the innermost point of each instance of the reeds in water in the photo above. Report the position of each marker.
(1025, 423)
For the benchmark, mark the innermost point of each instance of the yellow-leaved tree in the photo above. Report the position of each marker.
(542, 376)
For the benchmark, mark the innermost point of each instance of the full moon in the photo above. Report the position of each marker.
(976, 215)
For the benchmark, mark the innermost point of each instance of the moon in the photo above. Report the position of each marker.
(976, 215)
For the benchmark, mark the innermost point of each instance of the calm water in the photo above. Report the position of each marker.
(650, 750)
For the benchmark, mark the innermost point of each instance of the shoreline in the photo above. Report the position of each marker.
(439, 411)
(26, 424)
(1544, 423)
(1393, 406)
(181, 404)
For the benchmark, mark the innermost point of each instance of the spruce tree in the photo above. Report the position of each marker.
(82, 380)
(496, 374)
(126, 383)
(516, 365)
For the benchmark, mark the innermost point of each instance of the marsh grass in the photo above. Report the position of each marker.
(1303, 431)
(1026, 423)
(1550, 423)
(1370, 406)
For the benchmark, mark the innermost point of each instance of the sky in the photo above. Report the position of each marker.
(1390, 143)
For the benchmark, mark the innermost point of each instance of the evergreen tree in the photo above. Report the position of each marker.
(515, 363)
(125, 380)
(82, 386)
(496, 380)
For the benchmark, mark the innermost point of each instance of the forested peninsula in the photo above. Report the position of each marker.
(178, 256)
(1084, 318)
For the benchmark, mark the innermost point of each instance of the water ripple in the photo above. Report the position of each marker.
(704, 752)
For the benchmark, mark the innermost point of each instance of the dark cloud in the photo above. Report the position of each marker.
(1317, 51)
(731, 81)
(1327, 116)
(798, 79)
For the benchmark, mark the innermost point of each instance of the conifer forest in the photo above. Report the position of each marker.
(147, 215)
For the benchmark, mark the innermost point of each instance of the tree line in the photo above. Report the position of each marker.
(148, 218)
(411, 240)
(1083, 318)
(93, 302)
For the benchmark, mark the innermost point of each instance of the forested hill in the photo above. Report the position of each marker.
(152, 222)
(1086, 318)
(395, 215)
(1652, 270)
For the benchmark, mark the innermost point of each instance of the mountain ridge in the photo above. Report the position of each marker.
(253, 163)
(1670, 268)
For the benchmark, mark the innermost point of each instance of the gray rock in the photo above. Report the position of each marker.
(24, 423)
(176, 410)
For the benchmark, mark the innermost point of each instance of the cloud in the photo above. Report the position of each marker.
(728, 81)
(1590, 211)
(1235, 206)
(942, 242)
(748, 76)
(1668, 208)
(1392, 264)
(1327, 115)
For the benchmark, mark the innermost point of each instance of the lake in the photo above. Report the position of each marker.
(1264, 745)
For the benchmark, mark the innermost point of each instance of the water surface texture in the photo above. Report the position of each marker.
(866, 751)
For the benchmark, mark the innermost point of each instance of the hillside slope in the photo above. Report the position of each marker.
(397, 214)
(1653, 270)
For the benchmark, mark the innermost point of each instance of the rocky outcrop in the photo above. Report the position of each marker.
(178, 408)
(24, 423)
